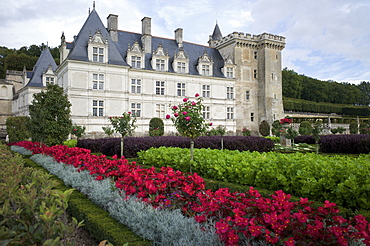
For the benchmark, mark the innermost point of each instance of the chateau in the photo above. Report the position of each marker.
(106, 71)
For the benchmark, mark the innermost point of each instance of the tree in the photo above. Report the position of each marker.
(124, 125)
(316, 131)
(50, 114)
(189, 122)
(292, 86)
(364, 88)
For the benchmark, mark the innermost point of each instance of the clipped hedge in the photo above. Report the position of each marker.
(300, 105)
(338, 179)
(111, 146)
(350, 144)
(345, 144)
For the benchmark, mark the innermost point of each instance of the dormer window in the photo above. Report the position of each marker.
(181, 68)
(160, 59)
(181, 62)
(49, 77)
(98, 48)
(136, 61)
(205, 65)
(159, 64)
(98, 54)
(49, 80)
(135, 56)
(229, 69)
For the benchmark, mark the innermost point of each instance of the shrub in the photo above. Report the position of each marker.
(17, 128)
(264, 128)
(156, 127)
(276, 128)
(70, 143)
(353, 128)
(349, 144)
(78, 131)
(308, 139)
(305, 128)
(111, 146)
(364, 128)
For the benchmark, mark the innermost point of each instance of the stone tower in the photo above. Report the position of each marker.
(257, 60)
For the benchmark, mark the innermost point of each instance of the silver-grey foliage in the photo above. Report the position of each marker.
(163, 227)
(20, 150)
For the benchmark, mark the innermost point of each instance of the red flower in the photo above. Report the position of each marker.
(196, 95)
(168, 116)
(175, 114)
(175, 107)
(129, 112)
(184, 113)
(187, 118)
(210, 124)
(185, 99)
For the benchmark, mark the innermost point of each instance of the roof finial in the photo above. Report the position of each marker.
(94, 5)
(89, 10)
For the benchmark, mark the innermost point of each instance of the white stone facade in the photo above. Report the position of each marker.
(106, 72)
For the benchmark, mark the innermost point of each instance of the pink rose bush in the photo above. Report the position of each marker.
(237, 216)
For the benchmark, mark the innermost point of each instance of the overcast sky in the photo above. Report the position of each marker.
(325, 39)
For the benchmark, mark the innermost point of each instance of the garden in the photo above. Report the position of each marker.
(195, 189)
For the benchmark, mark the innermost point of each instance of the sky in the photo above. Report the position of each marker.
(325, 39)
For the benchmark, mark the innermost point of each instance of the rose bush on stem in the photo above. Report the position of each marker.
(237, 216)
(188, 120)
(124, 125)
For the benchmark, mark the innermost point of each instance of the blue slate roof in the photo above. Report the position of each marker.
(45, 60)
(118, 50)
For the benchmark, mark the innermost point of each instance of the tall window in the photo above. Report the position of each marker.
(206, 90)
(159, 88)
(230, 92)
(205, 70)
(49, 80)
(247, 95)
(160, 110)
(136, 86)
(98, 54)
(98, 81)
(206, 112)
(181, 89)
(159, 64)
(229, 72)
(136, 61)
(181, 67)
(252, 116)
(255, 73)
(255, 55)
(229, 113)
(136, 109)
(98, 108)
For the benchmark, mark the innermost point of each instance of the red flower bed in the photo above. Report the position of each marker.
(237, 215)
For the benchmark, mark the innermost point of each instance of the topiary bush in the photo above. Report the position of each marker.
(353, 128)
(305, 128)
(264, 128)
(156, 127)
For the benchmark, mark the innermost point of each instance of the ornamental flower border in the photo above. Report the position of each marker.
(238, 217)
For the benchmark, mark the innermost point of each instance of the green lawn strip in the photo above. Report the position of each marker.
(96, 220)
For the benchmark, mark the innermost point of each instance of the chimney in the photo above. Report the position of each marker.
(178, 36)
(113, 26)
(146, 38)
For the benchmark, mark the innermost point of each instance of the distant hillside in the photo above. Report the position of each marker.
(303, 87)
